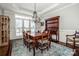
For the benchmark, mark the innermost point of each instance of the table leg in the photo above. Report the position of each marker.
(34, 45)
(33, 51)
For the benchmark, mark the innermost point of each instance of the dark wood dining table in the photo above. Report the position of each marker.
(34, 37)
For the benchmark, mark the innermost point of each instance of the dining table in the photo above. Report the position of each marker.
(34, 36)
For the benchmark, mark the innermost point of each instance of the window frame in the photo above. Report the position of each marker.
(23, 28)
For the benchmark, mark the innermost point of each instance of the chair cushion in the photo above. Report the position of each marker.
(70, 38)
(77, 35)
(43, 41)
(28, 40)
(43, 46)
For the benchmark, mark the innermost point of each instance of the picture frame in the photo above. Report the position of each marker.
(42, 23)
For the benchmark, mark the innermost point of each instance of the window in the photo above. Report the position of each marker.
(18, 27)
(26, 25)
(32, 26)
(22, 17)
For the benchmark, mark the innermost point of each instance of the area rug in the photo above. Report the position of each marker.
(19, 49)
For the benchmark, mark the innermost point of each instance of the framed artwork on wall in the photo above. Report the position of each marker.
(42, 23)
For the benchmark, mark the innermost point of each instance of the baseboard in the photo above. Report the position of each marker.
(16, 39)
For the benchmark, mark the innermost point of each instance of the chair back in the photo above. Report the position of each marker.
(24, 35)
(27, 36)
(47, 33)
(39, 37)
(77, 34)
(45, 36)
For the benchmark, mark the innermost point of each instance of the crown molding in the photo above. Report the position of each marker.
(64, 7)
(48, 9)
(15, 9)
(53, 11)
(42, 13)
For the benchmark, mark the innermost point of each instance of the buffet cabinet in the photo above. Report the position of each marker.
(52, 25)
(4, 35)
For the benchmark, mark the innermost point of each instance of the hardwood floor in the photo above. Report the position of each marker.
(10, 49)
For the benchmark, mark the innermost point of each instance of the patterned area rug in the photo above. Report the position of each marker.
(18, 49)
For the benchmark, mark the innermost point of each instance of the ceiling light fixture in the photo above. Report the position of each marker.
(35, 16)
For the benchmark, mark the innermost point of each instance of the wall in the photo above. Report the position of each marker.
(69, 20)
(0, 12)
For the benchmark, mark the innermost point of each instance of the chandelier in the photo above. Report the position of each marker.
(35, 16)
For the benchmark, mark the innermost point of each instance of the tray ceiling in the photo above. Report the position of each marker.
(28, 8)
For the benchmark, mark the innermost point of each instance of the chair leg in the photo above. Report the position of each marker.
(37, 46)
(66, 41)
(24, 44)
(27, 44)
(49, 44)
(74, 45)
(56, 37)
(29, 47)
(47, 48)
(41, 50)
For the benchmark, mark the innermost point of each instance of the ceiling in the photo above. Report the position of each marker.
(28, 8)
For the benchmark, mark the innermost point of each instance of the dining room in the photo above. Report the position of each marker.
(39, 29)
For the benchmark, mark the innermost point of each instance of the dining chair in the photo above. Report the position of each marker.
(29, 41)
(73, 39)
(24, 37)
(44, 42)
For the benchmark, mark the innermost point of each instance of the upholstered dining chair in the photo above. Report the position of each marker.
(24, 37)
(44, 43)
(27, 41)
(73, 39)
(49, 36)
